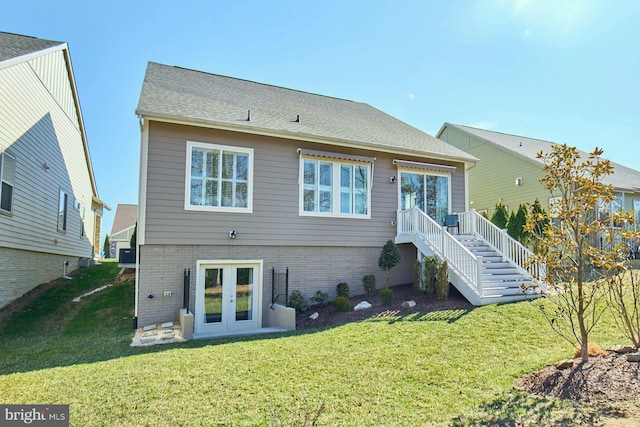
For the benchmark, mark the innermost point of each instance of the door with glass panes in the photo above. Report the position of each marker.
(227, 297)
(426, 190)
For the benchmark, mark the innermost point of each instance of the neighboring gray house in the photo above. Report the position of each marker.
(124, 224)
(238, 178)
(49, 206)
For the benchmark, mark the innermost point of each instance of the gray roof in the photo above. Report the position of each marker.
(181, 94)
(623, 178)
(16, 45)
(126, 216)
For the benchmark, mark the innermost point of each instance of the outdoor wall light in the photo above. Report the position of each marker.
(519, 181)
(392, 179)
(150, 296)
(233, 234)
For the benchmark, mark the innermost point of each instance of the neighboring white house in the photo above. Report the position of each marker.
(124, 223)
(50, 211)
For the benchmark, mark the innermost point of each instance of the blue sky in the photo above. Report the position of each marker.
(564, 71)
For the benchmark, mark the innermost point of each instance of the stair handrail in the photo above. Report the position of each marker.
(509, 248)
(459, 258)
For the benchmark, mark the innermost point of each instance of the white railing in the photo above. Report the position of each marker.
(459, 258)
(510, 249)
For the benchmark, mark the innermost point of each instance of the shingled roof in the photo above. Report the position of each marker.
(623, 178)
(173, 93)
(16, 45)
(126, 217)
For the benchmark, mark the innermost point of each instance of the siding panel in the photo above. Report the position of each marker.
(38, 130)
(275, 218)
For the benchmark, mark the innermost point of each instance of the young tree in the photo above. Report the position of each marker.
(541, 220)
(520, 222)
(500, 217)
(389, 258)
(576, 246)
(134, 238)
(512, 227)
(106, 248)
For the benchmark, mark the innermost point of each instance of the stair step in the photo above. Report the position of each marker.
(491, 265)
(499, 272)
(501, 291)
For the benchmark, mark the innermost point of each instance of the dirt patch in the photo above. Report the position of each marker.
(125, 275)
(327, 316)
(608, 380)
(602, 378)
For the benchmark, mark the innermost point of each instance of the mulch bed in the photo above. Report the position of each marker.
(424, 303)
(602, 378)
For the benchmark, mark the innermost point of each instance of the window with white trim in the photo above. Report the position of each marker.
(219, 178)
(335, 188)
(7, 172)
(62, 211)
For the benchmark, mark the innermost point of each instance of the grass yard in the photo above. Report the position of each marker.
(438, 368)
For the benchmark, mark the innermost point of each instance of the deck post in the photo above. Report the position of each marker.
(473, 222)
(503, 243)
(479, 265)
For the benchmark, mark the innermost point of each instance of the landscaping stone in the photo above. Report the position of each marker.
(409, 304)
(363, 305)
(314, 316)
(633, 357)
(156, 334)
(564, 364)
(622, 349)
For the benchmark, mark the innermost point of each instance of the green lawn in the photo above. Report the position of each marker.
(438, 368)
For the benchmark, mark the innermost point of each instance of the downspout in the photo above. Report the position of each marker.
(142, 195)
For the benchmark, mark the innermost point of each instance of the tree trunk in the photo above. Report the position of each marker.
(584, 336)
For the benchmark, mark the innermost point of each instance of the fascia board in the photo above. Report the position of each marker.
(303, 137)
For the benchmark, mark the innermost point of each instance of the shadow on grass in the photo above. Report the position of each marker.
(520, 408)
(45, 329)
(448, 316)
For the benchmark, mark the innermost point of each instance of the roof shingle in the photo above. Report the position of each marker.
(178, 93)
(623, 178)
(16, 45)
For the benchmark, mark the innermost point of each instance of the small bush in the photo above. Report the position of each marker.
(342, 289)
(386, 296)
(431, 264)
(369, 284)
(417, 278)
(442, 281)
(320, 298)
(341, 304)
(298, 301)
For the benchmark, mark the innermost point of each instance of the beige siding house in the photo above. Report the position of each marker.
(49, 210)
(509, 171)
(240, 179)
(124, 223)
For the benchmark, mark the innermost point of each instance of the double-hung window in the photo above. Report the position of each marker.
(7, 171)
(335, 188)
(219, 178)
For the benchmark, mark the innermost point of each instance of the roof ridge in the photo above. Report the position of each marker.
(259, 83)
(31, 37)
(510, 134)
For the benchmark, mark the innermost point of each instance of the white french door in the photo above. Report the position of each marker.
(227, 297)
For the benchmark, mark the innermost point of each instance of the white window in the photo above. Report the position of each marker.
(7, 170)
(219, 178)
(335, 188)
(62, 211)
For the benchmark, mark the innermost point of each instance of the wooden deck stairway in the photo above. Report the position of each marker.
(485, 264)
